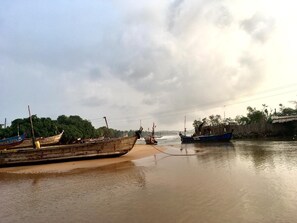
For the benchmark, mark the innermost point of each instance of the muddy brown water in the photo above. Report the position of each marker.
(242, 181)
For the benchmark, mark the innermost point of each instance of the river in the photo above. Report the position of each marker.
(242, 181)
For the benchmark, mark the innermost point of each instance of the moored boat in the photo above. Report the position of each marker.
(205, 134)
(11, 141)
(225, 137)
(44, 141)
(150, 139)
(60, 153)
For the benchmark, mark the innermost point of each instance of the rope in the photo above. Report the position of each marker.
(171, 154)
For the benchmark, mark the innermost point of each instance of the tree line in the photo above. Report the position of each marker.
(74, 127)
(253, 116)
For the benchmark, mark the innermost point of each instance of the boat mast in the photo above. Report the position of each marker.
(106, 122)
(185, 129)
(32, 129)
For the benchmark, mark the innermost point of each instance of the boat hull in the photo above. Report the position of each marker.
(226, 137)
(150, 140)
(47, 141)
(11, 142)
(62, 153)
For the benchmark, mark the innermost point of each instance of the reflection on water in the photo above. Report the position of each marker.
(242, 181)
(35, 197)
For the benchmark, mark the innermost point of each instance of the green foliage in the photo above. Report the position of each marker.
(242, 120)
(289, 111)
(113, 133)
(74, 128)
(215, 120)
(255, 116)
(196, 123)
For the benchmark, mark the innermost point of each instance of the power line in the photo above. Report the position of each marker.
(205, 106)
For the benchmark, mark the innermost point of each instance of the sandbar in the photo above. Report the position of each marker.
(139, 151)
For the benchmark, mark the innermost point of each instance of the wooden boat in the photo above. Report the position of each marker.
(60, 153)
(225, 137)
(150, 139)
(47, 141)
(11, 141)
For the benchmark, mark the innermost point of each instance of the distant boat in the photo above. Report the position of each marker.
(150, 139)
(206, 137)
(61, 153)
(225, 137)
(44, 141)
(11, 142)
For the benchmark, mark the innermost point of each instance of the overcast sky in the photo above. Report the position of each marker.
(154, 61)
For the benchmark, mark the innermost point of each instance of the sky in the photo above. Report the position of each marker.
(139, 62)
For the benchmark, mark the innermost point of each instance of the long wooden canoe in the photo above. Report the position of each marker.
(44, 141)
(11, 141)
(60, 153)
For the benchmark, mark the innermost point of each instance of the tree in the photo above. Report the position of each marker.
(242, 120)
(196, 123)
(255, 116)
(288, 111)
(75, 127)
(215, 120)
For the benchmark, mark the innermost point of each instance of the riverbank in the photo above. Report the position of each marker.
(138, 152)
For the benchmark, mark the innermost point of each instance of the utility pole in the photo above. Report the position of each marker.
(5, 123)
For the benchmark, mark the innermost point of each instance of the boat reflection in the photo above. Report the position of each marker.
(205, 146)
(214, 145)
(115, 174)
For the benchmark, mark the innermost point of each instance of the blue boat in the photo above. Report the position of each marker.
(225, 137)
(11, 141)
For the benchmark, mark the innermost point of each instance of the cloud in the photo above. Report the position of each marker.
(140, 59)
(259, 27)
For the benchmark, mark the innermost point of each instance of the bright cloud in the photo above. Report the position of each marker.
(154, 61)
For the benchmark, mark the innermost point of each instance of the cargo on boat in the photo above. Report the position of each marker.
(60, 153)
